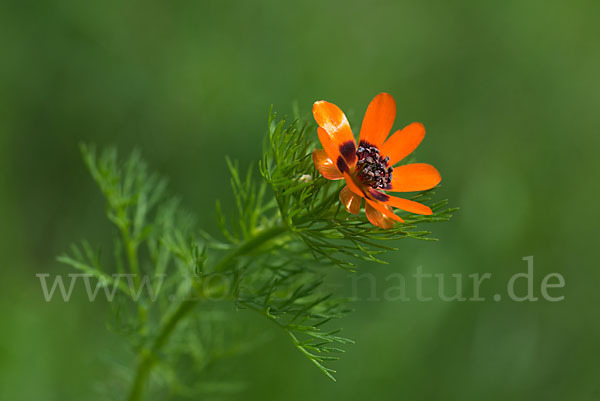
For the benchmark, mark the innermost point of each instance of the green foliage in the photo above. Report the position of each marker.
(287, 231)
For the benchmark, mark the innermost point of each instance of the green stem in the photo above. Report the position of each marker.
(131, 249)
(147, 359)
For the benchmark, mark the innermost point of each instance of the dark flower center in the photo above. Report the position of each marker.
(372, 168)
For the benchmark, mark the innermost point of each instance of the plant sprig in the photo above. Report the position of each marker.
(287, 231)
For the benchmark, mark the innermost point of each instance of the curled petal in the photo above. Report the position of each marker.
(377, 218)
(335, 133)
(403, 142)
(325, 165)
(378, 120)
(385, 210)
(414, 177)
(350, 200)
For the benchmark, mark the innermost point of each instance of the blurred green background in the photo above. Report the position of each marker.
(508, 91)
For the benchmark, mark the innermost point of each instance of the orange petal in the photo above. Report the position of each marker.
(333, 152)
(325, 165)
(403, 142)
(377, 218)
(335, 133)
(350, 200)
(378, 120)
(353, 186)
(408, 205)
(385, 210)
(414, 177)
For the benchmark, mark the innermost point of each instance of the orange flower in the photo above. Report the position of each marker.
(367, 168)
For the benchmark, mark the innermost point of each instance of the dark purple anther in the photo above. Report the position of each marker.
(372, 168)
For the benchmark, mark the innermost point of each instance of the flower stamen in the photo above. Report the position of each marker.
(372, 168)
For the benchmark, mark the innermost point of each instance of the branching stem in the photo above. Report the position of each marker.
(147, 356)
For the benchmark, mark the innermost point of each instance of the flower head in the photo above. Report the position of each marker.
(368, 168)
